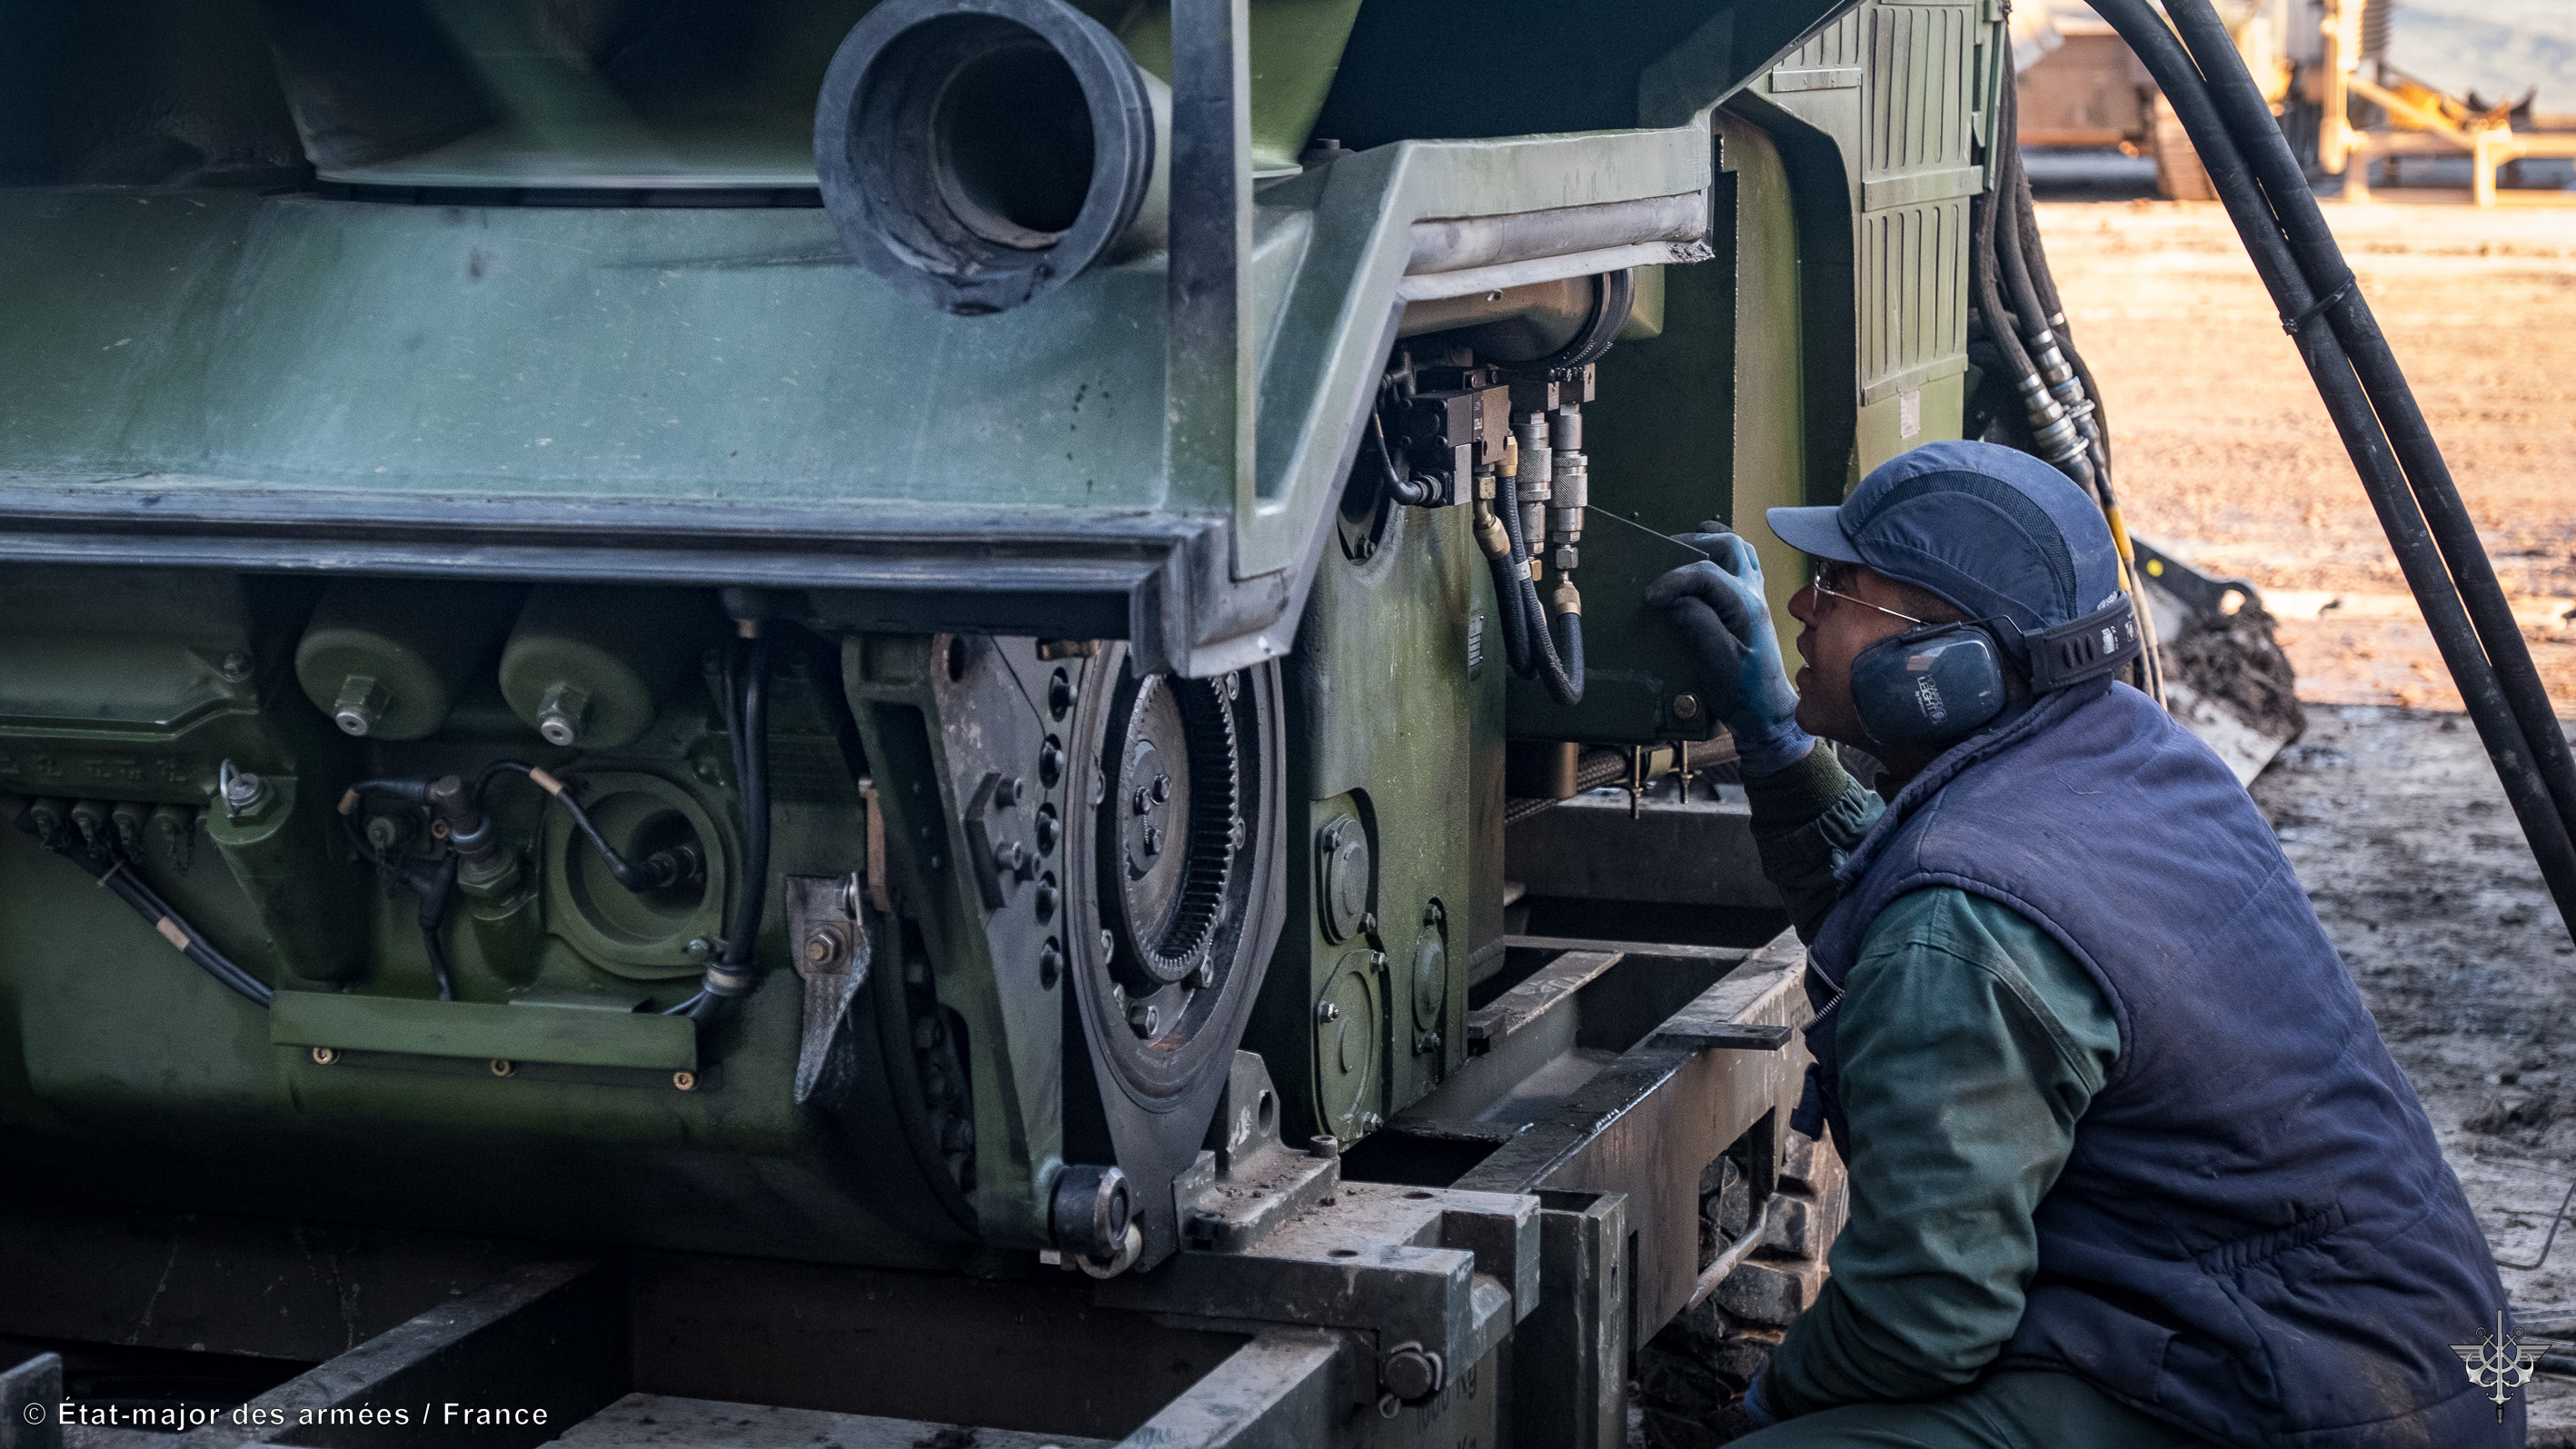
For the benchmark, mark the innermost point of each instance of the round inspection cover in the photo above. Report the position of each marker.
(980, 153)
(1347, 1034)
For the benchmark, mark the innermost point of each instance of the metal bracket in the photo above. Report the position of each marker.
(828, 930)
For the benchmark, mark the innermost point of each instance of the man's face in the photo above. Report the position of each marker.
(1837, 630)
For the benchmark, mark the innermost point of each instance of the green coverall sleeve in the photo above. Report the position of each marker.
(1806, 819)
(1970, 1044)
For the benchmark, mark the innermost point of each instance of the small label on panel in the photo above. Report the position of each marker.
(1909, 412)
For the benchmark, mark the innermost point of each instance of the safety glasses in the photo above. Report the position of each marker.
(1822, 586)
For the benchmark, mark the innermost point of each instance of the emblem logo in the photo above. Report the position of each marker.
(2499, 1362)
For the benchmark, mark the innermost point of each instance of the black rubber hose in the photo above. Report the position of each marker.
(1508, 616)
(1990, 297)
(1521, 621)
(1399, 486)
(1567, 682)
(2409, 535)
(2248, 117)
(1562, 673)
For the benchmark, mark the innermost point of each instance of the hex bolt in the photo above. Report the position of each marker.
(827, 946)
(1205, 975)
(1140, 802)
(1010, 857)
(1047, 898)
(236, 667)
(1050, 763)
(1410, 1372)
(361, 706)
(1146, 1020)
(1050, 965)
(1009, 792)
(1328, 1011)
(1108, 942)
(1162, 788)
(1324, 1144)
(700, 947)
(1153, 840)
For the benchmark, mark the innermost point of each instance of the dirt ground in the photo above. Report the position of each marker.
(2224, 456)
(2388, 808)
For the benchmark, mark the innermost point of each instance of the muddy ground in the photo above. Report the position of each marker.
(2388, 807)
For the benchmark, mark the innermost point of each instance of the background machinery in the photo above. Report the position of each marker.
(886, 710)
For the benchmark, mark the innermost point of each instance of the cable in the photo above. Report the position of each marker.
(2546, 1243)
(114, 872)
(746, 712)
(1403, 488)
(433, 883)
(2398, 500)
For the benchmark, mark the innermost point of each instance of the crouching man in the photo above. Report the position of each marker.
(2129, 1163)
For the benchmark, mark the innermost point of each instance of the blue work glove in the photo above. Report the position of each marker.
(1718, 606)
(1756, 1410)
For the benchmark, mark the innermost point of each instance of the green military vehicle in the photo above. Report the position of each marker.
(900, 711)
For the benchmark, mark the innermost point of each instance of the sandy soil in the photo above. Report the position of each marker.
(2225, 457)
(2390, 813)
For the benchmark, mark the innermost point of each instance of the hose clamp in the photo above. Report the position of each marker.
(2318, 308)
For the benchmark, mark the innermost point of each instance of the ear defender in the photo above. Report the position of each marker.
(1941, 683)
(1928, 686)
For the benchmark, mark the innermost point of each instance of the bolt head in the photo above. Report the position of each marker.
(1328, 1011)
(235, 666)
(1685, 706)
(1162, 788)
(557, 729)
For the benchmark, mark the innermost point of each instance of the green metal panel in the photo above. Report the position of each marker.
(518, 1032)
(1383, 709)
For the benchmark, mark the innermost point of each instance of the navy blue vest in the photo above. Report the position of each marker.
(2256, 1237)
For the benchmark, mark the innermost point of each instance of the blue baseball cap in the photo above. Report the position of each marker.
(1991, 529)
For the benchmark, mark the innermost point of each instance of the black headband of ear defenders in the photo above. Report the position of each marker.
(2070, 653)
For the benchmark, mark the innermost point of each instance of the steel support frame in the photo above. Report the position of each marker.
(1308, 1310)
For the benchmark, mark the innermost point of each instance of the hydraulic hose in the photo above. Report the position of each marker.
(2242, 109)
(1556, 661)
(2011, 257)
(2357, 409)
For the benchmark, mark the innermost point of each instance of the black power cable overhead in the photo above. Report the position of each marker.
(2266, 195)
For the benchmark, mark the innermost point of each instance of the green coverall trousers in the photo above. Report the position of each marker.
(2000, 1411)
